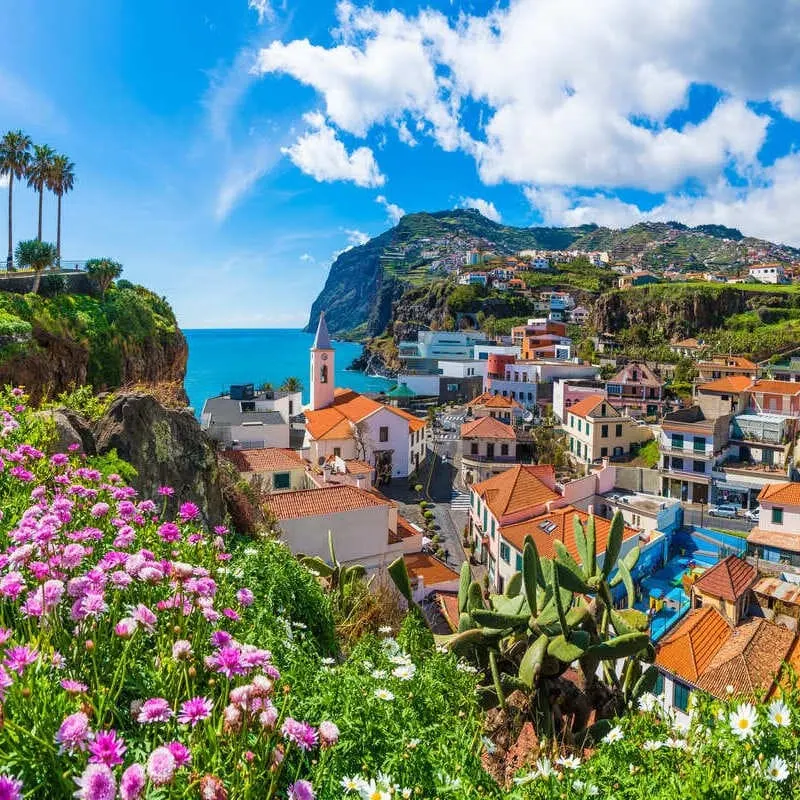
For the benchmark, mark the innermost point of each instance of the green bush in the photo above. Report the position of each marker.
(11, 325)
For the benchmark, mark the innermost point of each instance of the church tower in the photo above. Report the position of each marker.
(322, 355)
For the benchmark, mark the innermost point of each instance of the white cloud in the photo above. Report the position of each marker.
(320, 154)
(308, 258)
(488, 209)
(263, 8)
(241, 175)
(405, 135)
(393, 211)
(788, 100)
(3, 181)
(356, 237)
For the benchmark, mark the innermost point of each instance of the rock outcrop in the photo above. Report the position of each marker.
(167, 448)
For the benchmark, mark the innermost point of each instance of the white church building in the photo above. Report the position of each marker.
(344, 423)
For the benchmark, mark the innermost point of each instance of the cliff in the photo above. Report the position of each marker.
(52, 344)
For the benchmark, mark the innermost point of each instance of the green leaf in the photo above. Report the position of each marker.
(646, 683)
(567, 578)
(627, 644)
(465, 623)
(463, 587)
(354, 573)
(399, 574)
(580, 544)
(508, 605)
(316, 564)
(531, 664)
(591, 546)
(629, 620)
(614, 543)
(514, 585)
(494, 619)
(562, 619)
(569, 649)
(475, 597)
(530, 574)
(628, 581)
(631, 557)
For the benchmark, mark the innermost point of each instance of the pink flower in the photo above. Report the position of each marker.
(182, 650)
(328, 734)
(73, 734)
(245, 597)
(169, 532)
(107, 748)
(99, 510)
(212, 788)
(145, 617)
(156, 709)
(300, 733)
(166, 491)
(195, 710)
(6, 681)
(73, 687)
(12, 584)
(10, 788)
(96, 783)
(188, 512)
(228, 661)
(180, 753)
(125, 628)
(132, 784)
(221, 530)
(231, 614)
(269, 716)
(220, 638)
(301, 790)
(161, 766)
(59, 459)
(20, 657)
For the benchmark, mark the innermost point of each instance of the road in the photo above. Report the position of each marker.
(692, 516)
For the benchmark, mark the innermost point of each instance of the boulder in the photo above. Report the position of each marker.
(167, 448)
(71, 429)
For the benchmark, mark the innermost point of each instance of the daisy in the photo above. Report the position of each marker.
(371, 791)
(544, 767)
(384, 694)
(378, 674)
(652, 745)
(405, 672)
(194, 710)
(353, 784)
(779, 714)
(777, 769)
(648, 702)
(614, 735)
(523, 780)
(570, 762)
(387, 629)
(743, 721)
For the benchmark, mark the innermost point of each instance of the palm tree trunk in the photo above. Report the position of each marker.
(41, 195)
(36, 281)
(10, 262)
(58, 234)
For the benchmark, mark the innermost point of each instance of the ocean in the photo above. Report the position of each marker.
(218, 358)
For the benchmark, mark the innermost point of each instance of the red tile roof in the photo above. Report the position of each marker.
(688, 649)
(564, 521)
(780, 492)
(489, 400)
(786, 388)
(267, 459)
(322, 501)
(586, 406)
(732, 362)
(729, 579)
(780, 541)
(430, 569)
(517, 489)
(487, 428)
(448, 605)
(733, 384)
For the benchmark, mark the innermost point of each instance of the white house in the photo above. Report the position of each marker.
(768, 273)
(344, 423)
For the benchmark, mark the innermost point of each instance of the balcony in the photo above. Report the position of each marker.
(478, 459)
(753, 468)
(685, 451)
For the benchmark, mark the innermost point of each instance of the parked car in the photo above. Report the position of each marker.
(727, 511)
(752, 515)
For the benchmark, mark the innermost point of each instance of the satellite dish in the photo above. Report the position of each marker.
(527, 416)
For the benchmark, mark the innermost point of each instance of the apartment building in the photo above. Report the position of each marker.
(488, 447)
(713, 369)
(776, 539)
(638, 388)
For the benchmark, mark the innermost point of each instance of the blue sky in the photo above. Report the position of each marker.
(227, 150)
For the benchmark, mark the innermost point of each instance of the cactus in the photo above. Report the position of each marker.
(340, 577)
(542, 624)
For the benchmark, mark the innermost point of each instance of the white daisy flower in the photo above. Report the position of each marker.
(651, 745)
(578, 786)
(401, 659)
(405, 672)
(462, 666)
(328, 661)
(614, 735)
(412, 744)
(378, 674)
(384, 694)
(544, 767)
(440, 648)
(743, 721)
(592, 791)
(779, 714)
(353, 784)
(777, 770)
(406, 794)
(677, 744)
(372, 791)
(569, 762)
(524, 780)
(648, 702)
(385, 629)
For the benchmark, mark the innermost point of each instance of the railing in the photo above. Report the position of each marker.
(63, 267)
(685, 471)
(666, 447)
(489, 459)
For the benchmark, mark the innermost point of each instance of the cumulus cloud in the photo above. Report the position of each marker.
(307, 258)
(488, 209)
(323, 156)
(356, 237)
(263, 8)
(393, 211)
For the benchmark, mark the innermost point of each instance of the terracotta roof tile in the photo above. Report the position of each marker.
(732, 384)
(564, 521)
(489, 400)
(750, 660)
(448, 605)
(517, 489)
(405, 529)
(267, 459)
(487, 427)
(781, 492)
(689, 649)
(414, 423)
(787, 388)
(780, 541)
(322, 501)
(587, 405)
(430, 569)
(731, 362)
(729, 579)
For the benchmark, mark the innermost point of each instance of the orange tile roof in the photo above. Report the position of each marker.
(267, 459)
(414, 423)
(729, 579)
(585, 406)
(430, 569)
(750, 660)
(563, 519)
(405, 530)
(788, 493)
(732, 384)
(328, 423)
(732, 362)
(779, 541)
(494, 401)
(688, 649)
(448, 605)
(516, 489)
(356, 467)
(322, 501)
(487, 427)
(788, 388)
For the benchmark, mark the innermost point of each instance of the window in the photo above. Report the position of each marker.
(777, 516)
(519, 563)
(604, 431)
(603, 452)
(383, 433)
(571, 421)
(490, 450)
(677, 463)
(698, 466)
(492, 527)
(658, 689)
(282, 480)
(580, 426)
(700, 444)
(503, 449)
(337, 451)
(323, 374)
(677, 441)
(291, 407)
(505, 552)
(618, 431)
(473, 448)
(588, 429)
(680, 697)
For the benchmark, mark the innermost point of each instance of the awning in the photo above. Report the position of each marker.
(735, 487)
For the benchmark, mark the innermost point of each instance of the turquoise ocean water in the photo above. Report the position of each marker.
(218, 358)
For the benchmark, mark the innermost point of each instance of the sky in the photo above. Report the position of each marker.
(227, 150)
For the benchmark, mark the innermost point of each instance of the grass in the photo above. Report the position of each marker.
(648, 455)
(738, 534)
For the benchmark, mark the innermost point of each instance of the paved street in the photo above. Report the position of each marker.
(692, 516)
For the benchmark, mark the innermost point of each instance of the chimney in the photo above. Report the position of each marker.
(590, 510)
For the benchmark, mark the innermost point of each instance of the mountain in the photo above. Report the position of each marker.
(365, 282)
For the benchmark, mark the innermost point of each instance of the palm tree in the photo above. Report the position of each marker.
(103, 271)
(36, 255)
(39, 172)
(61, 181)
(292, 385)
(15, 153)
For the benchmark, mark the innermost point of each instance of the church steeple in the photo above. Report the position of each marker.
(322, 367)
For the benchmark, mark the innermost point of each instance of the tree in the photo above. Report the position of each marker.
(103, 272)
(62, 179)
(292, 385)
(39, 173)
(15, 153)
(36, 255)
